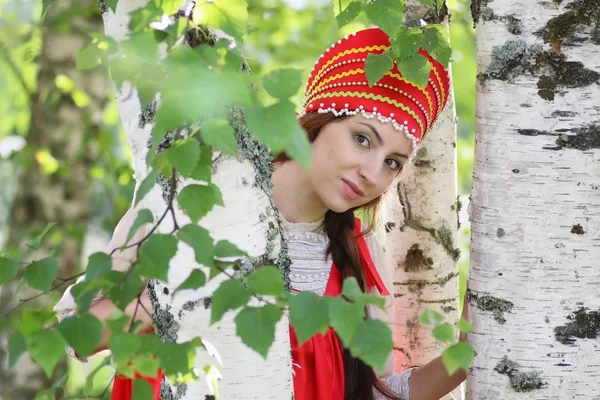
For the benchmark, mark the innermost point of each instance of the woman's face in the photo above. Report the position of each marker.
(355, 160)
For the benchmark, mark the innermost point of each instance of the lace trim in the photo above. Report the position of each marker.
(398, 383)
(317, 237)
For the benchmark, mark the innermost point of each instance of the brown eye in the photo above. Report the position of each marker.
(362, 140)
(393, 164)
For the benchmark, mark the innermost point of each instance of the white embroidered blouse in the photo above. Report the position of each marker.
(309, 270)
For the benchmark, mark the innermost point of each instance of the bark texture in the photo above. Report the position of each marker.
(247, 219)
(67, 131)
(421, 239)
(536, 201)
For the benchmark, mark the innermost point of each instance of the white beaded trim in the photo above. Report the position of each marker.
(328, 69)
(370, 115)
(386, 86)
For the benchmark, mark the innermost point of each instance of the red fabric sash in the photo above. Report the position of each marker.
(318, 363)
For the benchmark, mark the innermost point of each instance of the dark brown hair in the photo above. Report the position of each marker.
(360, 378)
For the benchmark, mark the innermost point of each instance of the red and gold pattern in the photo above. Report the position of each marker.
(338, 84)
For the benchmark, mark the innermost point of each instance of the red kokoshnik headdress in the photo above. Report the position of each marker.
(338, 84)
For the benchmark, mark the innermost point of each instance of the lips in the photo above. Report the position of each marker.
(351, 190)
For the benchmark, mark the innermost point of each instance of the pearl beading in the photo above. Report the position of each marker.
(331, 68)
(370, 115)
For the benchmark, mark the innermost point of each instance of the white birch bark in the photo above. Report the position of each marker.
(535, 206)
(248, 220)
(421, 240)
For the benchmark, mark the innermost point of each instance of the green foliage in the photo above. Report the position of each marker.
(349, 13)
(386, 14)
(46, 348)
(155, 255)
(198, 200)
(142, 390)
(9, 268)
(143, 217)
(256, 327)
(83, 333)
(372, 352)
(266, 281)
(309, 315)
(283, 83)
(430, 317)
(184, 156)
(40, 274)
(377, 65)
(219, 135)
(16, 347)
(196, 279)
(459, 355)
(199, 239)
(230, 295)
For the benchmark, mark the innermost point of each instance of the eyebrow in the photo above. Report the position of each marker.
(380, 139)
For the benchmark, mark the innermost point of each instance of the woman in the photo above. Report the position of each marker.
(361, 139)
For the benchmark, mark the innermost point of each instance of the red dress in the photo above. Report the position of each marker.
(318, 363)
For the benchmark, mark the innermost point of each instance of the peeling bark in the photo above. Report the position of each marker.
(535, 203)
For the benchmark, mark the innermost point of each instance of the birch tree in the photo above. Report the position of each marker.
(421, 234)
(535, 201)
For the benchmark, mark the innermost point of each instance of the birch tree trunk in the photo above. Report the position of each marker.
(421, 239)
(248, 219)
(65, 130)
(535, 211)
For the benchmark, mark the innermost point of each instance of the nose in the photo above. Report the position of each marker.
(369, 170)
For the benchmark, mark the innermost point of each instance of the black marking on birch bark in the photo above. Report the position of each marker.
(583, 138)
(416, 260)
(520, 381)
(448, 309)
(479, 9)
(580, 23)
(514, 25)
(577, 229)
(148, 114)
(584, 325)
(564, 114)
(166, 391)
(500, 232)
(389, 226)
(495, 305)
(510, 60)
(103, 7)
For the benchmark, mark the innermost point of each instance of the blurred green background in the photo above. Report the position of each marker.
(63, 152)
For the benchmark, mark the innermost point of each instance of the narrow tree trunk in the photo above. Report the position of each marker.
(66, 131)
(421, 240)
(536, 201)
(248, 219)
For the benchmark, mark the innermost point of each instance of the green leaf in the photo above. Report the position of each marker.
(198, 200)
(273, 125)
(464, 326)
(40, 274)
(345, 318)
(283, 83)
(229, 15)
(457, 356)
(256, 327)
(147, 184)
(46, 348)
(9, 268)
(219, 134)
(129, 287)
(123, 346)
(146, 364)
(377, 65)
(444, 332)
(170, 7)
(45, 5)
(36, 242)
(436, 44)
(372, 343)
(202, 171)
(47, 394)
(142, 390)
(309, 314)
(85, 292)
(226, 249)
(89, 379)
(143, 217)
(349, 14)
(117, 323)
(175, 357)
(196, 279)
(386, 14)
(16, 348)
(352, 291)
(406, 43)
(155, 255)
(199, 239)
(298, 147)
(184, 155)
(416, 69)
(266, 281)
(112, 4)
(440, 4)
(83, 333)
(89, 57)
(230, 295)
(430, 317)
(99, 264)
